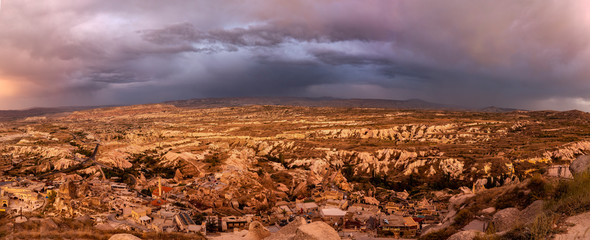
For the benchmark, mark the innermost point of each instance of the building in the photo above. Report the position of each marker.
(342, 204)
(185, 222)
(305, 207)
(283, 210)
(354, 225)
(138, 213)
(4, 202)
(162, 224)
(359, 208)
(158, 202)
(118, 186)
(395, 208)
(161, 191)
(145, 220)
(23, 194)
(398, 227)
(333, 214)
(232, 222)
(332, 195)
(425, 208)
(371, 200)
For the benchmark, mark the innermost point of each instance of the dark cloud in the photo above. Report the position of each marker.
(508, 53)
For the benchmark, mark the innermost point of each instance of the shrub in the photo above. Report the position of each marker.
(542, 226)
(519, 233)
(572, 197)
(463, 217)
(569, 198)
(540, 188)
(515, 197)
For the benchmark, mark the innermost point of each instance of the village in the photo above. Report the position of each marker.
(112, 204)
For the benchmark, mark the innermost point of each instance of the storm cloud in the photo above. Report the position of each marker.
(530, 54)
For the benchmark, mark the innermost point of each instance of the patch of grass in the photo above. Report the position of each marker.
(568, 198)
(540, 187)
(572, 197)
(543, 225)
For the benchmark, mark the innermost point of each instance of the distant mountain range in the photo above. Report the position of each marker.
(493, 109)
(327, 102)
(7, 115)
(309, 102)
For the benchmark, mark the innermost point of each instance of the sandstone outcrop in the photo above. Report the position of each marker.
(288, 231)
(256, 231)
(316, 231)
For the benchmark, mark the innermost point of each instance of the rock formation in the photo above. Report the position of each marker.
(580, 165)
(466, 235)
(256, 231)
(124, 236)
(316, 231)
(506, 219)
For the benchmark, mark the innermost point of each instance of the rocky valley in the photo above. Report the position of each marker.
(259, 164)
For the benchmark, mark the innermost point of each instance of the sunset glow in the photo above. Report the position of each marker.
(7, 88)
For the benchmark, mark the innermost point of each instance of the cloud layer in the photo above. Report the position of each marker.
(85, 52)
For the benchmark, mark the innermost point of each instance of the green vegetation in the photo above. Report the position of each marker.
(148, 163)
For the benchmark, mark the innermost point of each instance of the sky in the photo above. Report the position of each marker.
(475, 53)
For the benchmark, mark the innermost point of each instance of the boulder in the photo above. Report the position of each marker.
(124, 236)
(316, 231)
(489, 210)
(288, 231)
(475, 225)
(580, 165)
(256, 231)
(506, 219)
(465, 235)
(530, 213)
